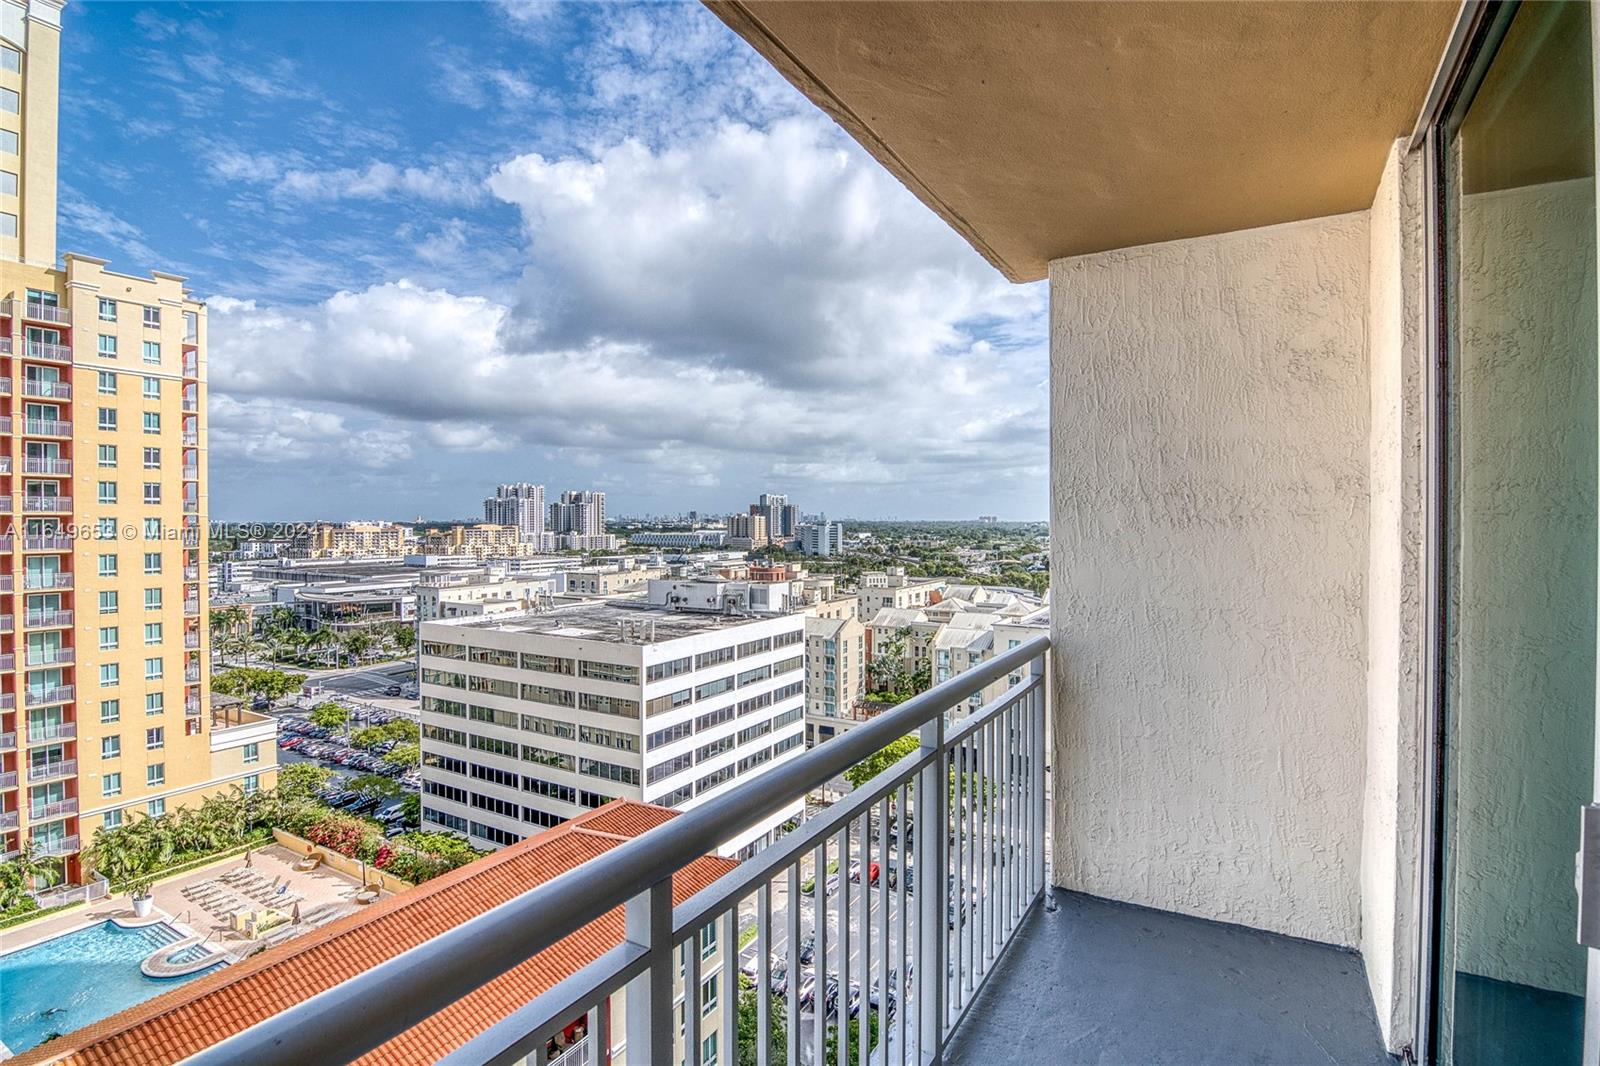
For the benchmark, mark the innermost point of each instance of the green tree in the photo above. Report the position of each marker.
(301, 780)
(411, 804)
(750, 1025)
(405, 636)
(252, 681)
(376, 785)
(881, 760)
(852, 1033)
(402, 731)
(329, 715)
(405, 754)
(368, 737)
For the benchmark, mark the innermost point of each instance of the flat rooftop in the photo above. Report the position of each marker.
(618, 622)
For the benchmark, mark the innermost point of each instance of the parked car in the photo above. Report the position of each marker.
(392, 690)
(808, 950)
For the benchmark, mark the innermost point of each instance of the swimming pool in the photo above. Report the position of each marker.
(79, 978)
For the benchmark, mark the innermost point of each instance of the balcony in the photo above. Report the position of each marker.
(9, 819)
(58, 809)
(48, 656)
(58, 846)
(47, 732)
(49, 618)
(191, 365)
(191, 608)
(191, 438)
(191, 473)
(5, 461)
(191, 674)
(46, 427)
(5, 345)
(5, 386)
(47, 542)
(981, 775)
(38, 311)
(8, 623)
(47, 350)
(49, 771)
(191, 573)
(8, 662)
(6, 582)
(8, 701)
(190, 404)
(5, 424)
(8, 779)
(46, 579)
(41, 464)
(191, 705)
(8, 741)
(49, 390)
(46, 695)
(191, 639)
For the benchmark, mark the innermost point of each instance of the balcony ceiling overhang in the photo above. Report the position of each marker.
(1042, 130)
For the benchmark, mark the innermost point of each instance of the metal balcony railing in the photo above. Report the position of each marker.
(39, 311)
(6, 345)
(8, 780)
(5, 504)
(191, 573)
(46, 579)
(191, 437)
(7, 582)
(46, 542)
(49, 656)
(5, 424)
(8, 701)
(9, 622)
(8, 662)
(191, 473)
(191, 640)
(43, 733)
(5, 386)
(58, 846)
(974, 795)
(47, 427)
(58, 809)
(191, 506)
(50, 390)
(190, 404)
(45, 695)
(191, 705)
(8, 741)
(191, 338)
(191, 608)
(55, 353)
(5, 463)
(191, 366)
(46, 771)
(56, 618)
(8, 819)
(44, 464)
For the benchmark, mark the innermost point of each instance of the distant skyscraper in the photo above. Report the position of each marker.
(791, 520)
(520, 505)
(583, 513)
(783, 518)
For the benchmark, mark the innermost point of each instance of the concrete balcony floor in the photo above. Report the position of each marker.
(1111, 984)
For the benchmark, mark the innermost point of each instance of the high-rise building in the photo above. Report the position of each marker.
(529, 721)
(748, 530)
(791, 520)
(821, 538)
(103, 674)
(520, 505)
(582, 513)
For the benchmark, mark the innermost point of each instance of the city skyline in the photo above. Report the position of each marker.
(392, 319)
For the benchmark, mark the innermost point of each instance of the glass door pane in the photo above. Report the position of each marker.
(1519, 699)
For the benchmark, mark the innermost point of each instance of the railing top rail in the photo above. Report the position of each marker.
(346, 1021)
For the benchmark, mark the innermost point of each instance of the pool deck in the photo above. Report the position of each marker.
(326, 892)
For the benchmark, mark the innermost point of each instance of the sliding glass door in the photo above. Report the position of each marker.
(1515, 160)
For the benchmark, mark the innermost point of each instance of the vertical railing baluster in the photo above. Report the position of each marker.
(955, 885)
(791, 1022)
(691, 999)
(864, 945)
(648, 924)
(763, 980)
(887, 929)
(841, 1025)
(728, 994)
(933, 828)
(599, 1034)
(902, 923)
(819, 960)
(967, 929)
(1041, 747)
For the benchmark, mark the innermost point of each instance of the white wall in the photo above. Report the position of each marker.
(1209, 455)
(1397, 361)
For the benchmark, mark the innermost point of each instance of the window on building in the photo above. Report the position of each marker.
(708, 940)
(156, 807)
(106, 346)
(110, 674)
(105, 529)
(8, 183)
(252, 784)
(152, 492)
(152, 562)
(153, 668)
(112, 819)
(107, 455)
(111, 784)
(11, 101)
(154, 703)
(106, 383)
(106, 418)
(152, 529)
(152, 318)
(108, 601)
(10, 59)
(8, 142)
(108, 310)
(110, 711)
(152, 599)
(252, 753)
(106, 492)
(108, 638)
(8, 224)
(151, 388)
(111, 747)
(155, 773)
(152, 421)
(152, 458)
(152, 632)
(107, 564)
(155, 738)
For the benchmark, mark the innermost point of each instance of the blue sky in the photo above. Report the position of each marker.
(447, 245)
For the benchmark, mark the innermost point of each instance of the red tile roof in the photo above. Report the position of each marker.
(184, 1021)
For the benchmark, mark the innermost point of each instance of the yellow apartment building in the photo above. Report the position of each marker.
(104, 678)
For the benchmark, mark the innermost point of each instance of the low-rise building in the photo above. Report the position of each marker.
(836, 674)
(475, 593)
(481, 541)
(713, 594)
(531, 720)
(699, 538)
(349, 540)
(892, 588)
(611, 580)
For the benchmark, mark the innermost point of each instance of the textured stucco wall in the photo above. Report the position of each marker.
(1525, 681)
(1397, 362)
(1209, 466)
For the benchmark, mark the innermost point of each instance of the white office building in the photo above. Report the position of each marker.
(822, 538)
(520, 505)
(530, 720)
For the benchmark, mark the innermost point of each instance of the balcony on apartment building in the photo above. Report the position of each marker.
(46, 427)
(47, 542)
(48, 656)
(48, 390)
(44, 732)
(1234, 206)
(191, 365)
(45, 695)
(191, 608)
(43, 464)
(50, 351)
(7, 582)
(54, 847)
(8, 741)
(34, 580)
(5, 386)
(191, 472)
(190, 437)
(59, 809)
(40, 311)
(47, 504)
(50, 771)
(8, 662)
(191, 639)
(8, 780)
(191, 705)
(43, 618)
(6, 345)
(9, 819)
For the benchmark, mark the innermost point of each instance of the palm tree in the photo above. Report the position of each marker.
(321, 641)
(357, 642)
